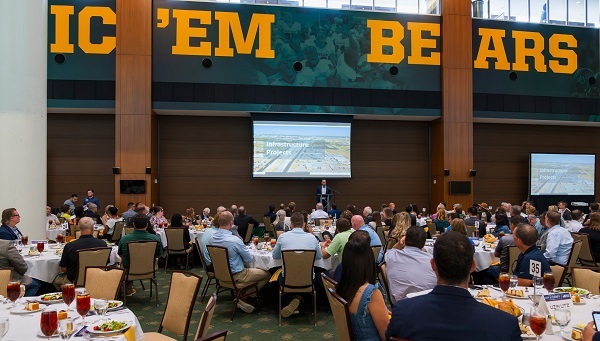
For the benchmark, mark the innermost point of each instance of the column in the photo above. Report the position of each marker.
(23, 111)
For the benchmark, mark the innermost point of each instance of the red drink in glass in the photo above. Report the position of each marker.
(549, 281)
(40, 247)
(255, 241)
(49, 323)
(59, 238)
(25, 240)
(504, 282)
(204, 224)
(13, 291)
(273, 242)
(538, 324)
(68, 293)
(83, 304)
(266, 238)
(50, 222)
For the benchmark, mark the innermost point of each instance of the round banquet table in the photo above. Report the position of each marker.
(46, 267)
(52, 233)
(263, 259)
(483, 257)
(193, 235)
(26, 326)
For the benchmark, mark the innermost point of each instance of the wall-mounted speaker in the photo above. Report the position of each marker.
(472, 172)
(446, 172)
(116, 170)
(148, 170)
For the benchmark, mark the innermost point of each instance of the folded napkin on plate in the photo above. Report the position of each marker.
(495, 263)
(130, 334)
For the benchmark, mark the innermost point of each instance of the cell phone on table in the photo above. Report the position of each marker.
(596, 318)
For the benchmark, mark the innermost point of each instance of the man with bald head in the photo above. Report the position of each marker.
(68, 261)
(319, 213)
(238, 258)
(358, 223)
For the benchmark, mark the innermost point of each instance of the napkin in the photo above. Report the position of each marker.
(275, 276)
(130, 334)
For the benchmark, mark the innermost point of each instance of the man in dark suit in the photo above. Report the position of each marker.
(9, 230)
(271, 213)
(322, 193)
(92, 212)
(472, 219)
(242, 220)
(453, 313)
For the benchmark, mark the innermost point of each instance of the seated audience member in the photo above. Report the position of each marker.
(205, 214)
(452, 313)
(472, 219)
(64, 212)
(525, 237)
(594, 208)
(242, 220)
(358, 225)
(343, 232)
(271, 213)
(386, 216)
(575, 224)
(493, 272)
(400, 223)
(177, 223)
(158, 217)
(593, 230)
(110, 218)
(296, 239)
(292, 206)
(128, 215)
(441, 220)
(68, 261)
(206, 236)
(403, 264)
(50, 216)
(11, 259)
(92, 212)
(334, 212)
(280, 223)
(502, 223)
(559, 240)
(368, 312)
(542, 231)
(78, 213)
(346, 215)
(367, 214)
(564, 211)
(190, 217)
(319, 213)
(238, 255)
(140, 232)
(9, 229)
(458, 225)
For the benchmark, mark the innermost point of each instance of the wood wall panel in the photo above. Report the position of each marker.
(206, 162)
(133, 29)
(501, 156)
(81, 154)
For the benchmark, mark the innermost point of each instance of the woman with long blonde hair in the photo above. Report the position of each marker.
(441, 221)
(401, 223)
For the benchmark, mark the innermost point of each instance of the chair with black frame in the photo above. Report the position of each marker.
(117, 232)
(90, 257)
(176, 247)
(209, 274)
(328, 283)
(573, 256)
(248, 235)
(586, 257)
(381, 270)
(300, 279)
(220, 259)
(180, 304)
(142, 263)
(513, 255)
(216, 336)
(341, 315)
(104, 282)
(376, 251)
(206, 317)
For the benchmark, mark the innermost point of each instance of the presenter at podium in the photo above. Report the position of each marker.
(323, 193)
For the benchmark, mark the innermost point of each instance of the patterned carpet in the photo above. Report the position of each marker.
(260, 325)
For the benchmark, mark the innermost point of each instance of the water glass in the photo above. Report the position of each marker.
(65, 328)
(562, 317)
(101, 307)
(514, 280)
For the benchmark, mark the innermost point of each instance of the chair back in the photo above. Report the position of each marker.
(72, 229)
(432, 229)
(175, 239)
(141, 259)
(376, 251)
(249, 231)
(201, 255)
(513, 255)
(341, 315)
(299, 277)
(118, 231)
(575, 250)
(587, 279)
(559, 272)
(278, 233)
(586, 257)
(104, 282)
(470, 230)
(90, 257)
(5, 276)
(220, 261)
(206, 317)
(180, 302)
(390, 242)
(386, 233)
(379, 230)
(381, 269)
(216, 336)
(269, 228)
(377, 219)
(128, 230)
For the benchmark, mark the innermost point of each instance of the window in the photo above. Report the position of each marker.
(408, 6)
(558, 12)
(593, 14)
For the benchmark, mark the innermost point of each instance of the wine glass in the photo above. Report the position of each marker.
(537, 322)
(21, 291)
(266, 238)
(49, 323)
(65, 328)
(548, 281)
(68, 295)
(562, 317)
(13, 291)
(514, 280)
(4, 325)
(25, 240)
(504, 283)
(101, 307)
(83, 305)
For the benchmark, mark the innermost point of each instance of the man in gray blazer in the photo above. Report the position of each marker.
(11, 259)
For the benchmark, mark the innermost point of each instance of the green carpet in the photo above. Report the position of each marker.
(260, 325)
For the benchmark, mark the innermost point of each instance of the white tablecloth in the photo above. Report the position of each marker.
(483, 258)
(193, 235)
(264, 260)
(46, 267)
(27, 327)
(52, 233)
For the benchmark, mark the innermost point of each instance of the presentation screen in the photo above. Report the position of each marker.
(301, 149)
(562, 174)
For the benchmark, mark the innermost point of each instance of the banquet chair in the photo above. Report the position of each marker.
(142, 263)
(299, 278)
(328, 282)
(209, 274)
(5, 275)
(376, 251)
(216, 336)
(248, 235)
(278, 233)
(379, 230)
(341, 315)
(104, 282)
(381, 270)
(559, 272)
(389, 243)
(587, 278)
(117, 232)
(270, 228)
(386, 233)
(513, 255)
(206, 317)
(72, 229)
(586, 257)
(470, 230)
(220, 260)
(90, 257)
(575, 250)
(432, 229)
(317, 221)
(128, 230)
(180, 304)
(176, 247)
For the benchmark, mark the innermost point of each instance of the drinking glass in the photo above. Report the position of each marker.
(65, 328)
(4, 325)
(68, 295)
(59, 239)
(476, 232)
(83, 305)
(101, 307)
(539, 283)
(504, 283)
(21, 292)
(273, 242)
(514, 280)
(266, 238)
(49, 323)
(548, 281)
(537, 321)
(40, 247)
(13, 291)
(25, 240)
(562, 317)
(255, 240)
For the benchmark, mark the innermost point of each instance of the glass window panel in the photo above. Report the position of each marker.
(338, 4)
(519, 10)
(593, 13)
(408, 6)
(558, 12)
(577, 12)
(385, 5)
(315, 3)
(498, 9)
(538, 12)
(361, 4)
(429, 7)
(289, 2)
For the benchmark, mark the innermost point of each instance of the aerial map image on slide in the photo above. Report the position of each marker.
(301, 150)
(555, 174)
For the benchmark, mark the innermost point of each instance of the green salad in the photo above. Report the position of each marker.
(111, 326)
(572, 290)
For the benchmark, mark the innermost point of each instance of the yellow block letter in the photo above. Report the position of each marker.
(490, 35)
(536, 51)
(230, 22)
(184, 32)
(109, 17)
(62, 15)
(418, 43)
(569, 55)
(378, 41)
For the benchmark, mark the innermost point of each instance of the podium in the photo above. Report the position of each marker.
(326, 200)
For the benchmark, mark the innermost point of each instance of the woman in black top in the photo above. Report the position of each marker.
(593, 230)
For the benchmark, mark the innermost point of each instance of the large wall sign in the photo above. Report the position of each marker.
(293, 47)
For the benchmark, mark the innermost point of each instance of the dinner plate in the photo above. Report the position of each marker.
(119, 305)
(567, 289)
(566, 335)
(91, 328)
(579, 303)
(41, 300)
(20, 310)
(55, 335)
